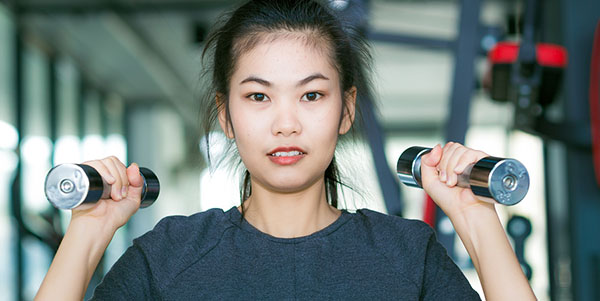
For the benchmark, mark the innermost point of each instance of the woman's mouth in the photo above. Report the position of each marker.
(286, 155)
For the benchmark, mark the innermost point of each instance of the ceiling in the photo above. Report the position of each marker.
(148, 51)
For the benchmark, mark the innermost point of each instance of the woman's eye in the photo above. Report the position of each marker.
(258, 97)
(311, 96)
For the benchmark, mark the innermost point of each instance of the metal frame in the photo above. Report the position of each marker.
(16, 186)
(467, 46)
(572, 195)
(387, 180)
(24, 229)
(466, 50)
(357, 14)
(579, 21)
(112, 18)
(395, 38)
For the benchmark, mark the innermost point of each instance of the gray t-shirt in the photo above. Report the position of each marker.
(218, 255)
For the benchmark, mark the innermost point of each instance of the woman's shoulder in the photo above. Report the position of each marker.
(180, 226)
(412, 247)
(391, 224)
(393, 233)
(175, 243)
(178, 235)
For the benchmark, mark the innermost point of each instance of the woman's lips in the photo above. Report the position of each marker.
(286, 155)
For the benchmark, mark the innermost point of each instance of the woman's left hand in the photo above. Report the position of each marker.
(439, 174)
(476, 222)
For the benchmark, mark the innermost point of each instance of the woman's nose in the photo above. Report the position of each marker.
(286, 121)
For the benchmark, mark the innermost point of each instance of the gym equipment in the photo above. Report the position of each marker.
(528, 74)
(519, 228)
(497, 180)
(70, 185)
(552, 59)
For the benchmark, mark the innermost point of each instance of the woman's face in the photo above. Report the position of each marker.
(285, 106)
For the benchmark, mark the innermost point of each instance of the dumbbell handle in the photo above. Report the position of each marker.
(70, 185)
(497, 180)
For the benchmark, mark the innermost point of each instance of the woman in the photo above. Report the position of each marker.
(286, 80)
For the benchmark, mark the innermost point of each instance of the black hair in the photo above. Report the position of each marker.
(250, 24)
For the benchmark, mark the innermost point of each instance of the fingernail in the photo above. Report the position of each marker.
(443, 176)
(123, 192)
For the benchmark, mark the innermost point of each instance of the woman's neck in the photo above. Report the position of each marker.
(289, 215)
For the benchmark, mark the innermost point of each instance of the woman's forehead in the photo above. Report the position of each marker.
(285, 57)
(311, 37)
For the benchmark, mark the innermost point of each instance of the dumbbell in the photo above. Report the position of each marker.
(70, 185)
(497, 180)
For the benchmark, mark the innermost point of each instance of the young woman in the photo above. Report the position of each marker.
(287, 78)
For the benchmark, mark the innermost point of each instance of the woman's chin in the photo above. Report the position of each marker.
(290, 185)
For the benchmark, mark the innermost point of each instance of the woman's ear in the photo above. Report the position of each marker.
(222, 115)
(350, 110)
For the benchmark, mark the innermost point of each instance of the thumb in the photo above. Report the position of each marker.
(136, 181)
(134, 176)
(432, 159)
(429, 162)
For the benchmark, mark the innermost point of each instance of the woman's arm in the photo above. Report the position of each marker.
(497, 266)
(476, 223)
(90, 231)
(75, 261)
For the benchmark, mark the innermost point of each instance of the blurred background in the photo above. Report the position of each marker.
(84, 79)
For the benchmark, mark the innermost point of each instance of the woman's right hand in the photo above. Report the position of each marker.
(91, 230)
(126, 190)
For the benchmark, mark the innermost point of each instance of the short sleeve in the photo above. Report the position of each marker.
(128, 279)
(442, 279)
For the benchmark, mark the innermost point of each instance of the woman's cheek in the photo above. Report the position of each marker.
(326, 133)
(330, 121)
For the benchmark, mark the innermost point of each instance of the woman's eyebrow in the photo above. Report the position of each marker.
(259, 80)
(302, 82)
(310, 78)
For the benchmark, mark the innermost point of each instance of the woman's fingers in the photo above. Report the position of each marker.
(114, 172)
(121, 205)
(468, 158)
(115, 190)
(109, 173)
(451, 160)
(102, 170)
(448, 150)
(451, 163)
(122, 170)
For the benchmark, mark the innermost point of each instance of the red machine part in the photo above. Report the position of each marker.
(552, 59)
(429, 211)
(547, 55)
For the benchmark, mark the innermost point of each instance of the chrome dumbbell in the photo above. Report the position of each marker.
(70, 185)
(498, 180)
